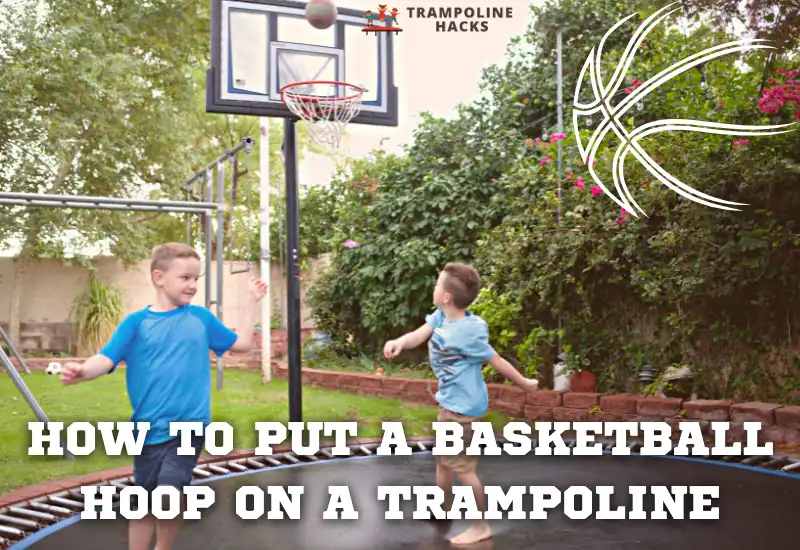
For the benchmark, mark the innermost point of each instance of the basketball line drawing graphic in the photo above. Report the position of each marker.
(630, 140)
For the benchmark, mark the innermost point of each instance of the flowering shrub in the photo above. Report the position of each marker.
(784, 91)
(683, 283)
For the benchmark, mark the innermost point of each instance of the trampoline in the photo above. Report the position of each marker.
(758, 506)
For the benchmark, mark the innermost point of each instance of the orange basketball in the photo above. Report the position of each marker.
(321, 14)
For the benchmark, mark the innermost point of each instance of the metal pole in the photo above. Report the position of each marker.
(44, 198)
(220, 256)
(208, 167)
(28, 396)
(560, 117)
(266, 271)
(13, 350)
(102, 206)
(293, 275)
(560, 98)
(209, 184)
(189, 217)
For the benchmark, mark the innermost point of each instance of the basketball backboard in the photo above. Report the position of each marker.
(258, 46)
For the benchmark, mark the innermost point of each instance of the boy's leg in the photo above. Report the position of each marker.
(465, 466)
(140, 533)
(444, 474)
(480, 529)
(161, 465)
(145, 474)
(444, 480)
(176, 471)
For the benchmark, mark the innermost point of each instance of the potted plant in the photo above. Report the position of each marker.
(573, 365)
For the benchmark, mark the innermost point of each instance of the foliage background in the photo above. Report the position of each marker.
(89, 106)
(685, 285)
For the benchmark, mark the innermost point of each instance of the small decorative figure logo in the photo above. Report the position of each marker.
(387, 21)
(604, 92)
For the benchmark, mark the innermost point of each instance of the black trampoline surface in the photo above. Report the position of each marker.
(756, 509)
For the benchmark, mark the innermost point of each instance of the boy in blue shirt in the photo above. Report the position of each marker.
(458, 345)
(166, 350)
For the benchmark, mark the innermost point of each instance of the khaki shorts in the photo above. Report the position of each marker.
(462, 463)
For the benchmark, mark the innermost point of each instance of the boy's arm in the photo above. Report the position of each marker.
(507, 369)
(246, 327)
(222, 339)
(94, 367)
(104, 362)
(415, 338)
(407, 341)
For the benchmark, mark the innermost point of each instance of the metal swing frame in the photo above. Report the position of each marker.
(206, 207)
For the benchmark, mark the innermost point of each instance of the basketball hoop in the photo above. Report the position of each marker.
(325, 114)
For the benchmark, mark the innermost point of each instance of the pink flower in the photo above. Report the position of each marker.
(569, 176)
(350, 244)
(557, 137)
(545, 160)
(579, 183)
(773, 99)
(595, 190)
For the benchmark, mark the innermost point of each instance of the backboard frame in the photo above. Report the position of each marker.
(382, 112)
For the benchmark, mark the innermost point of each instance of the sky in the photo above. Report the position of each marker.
(434, 72)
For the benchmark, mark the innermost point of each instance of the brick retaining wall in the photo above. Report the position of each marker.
(780, 423)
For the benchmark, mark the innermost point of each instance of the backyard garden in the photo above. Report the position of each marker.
(682, 285)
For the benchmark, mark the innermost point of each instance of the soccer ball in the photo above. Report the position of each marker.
(53, 368)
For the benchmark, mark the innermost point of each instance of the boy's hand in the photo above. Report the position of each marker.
(392, 349)
(530, 384)
(257, 288)
(71, 373)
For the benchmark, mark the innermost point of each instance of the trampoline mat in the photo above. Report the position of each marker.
(756, 510)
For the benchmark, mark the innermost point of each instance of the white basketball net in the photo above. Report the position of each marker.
(325, 107)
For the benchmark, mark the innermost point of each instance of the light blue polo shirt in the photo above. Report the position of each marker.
(458, 349)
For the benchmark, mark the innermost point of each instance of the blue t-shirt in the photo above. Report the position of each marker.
(168, 368)
(458, 349)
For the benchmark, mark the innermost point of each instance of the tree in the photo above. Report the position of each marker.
(775, 20)
(413, 213)
(687, 284)
(92, 102)
(216, 133)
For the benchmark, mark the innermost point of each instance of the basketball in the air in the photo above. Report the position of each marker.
(321, 13)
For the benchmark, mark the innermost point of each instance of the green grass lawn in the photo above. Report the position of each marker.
(243, 401)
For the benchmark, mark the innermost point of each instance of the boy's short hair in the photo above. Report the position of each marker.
(462, 282)
(164, 254)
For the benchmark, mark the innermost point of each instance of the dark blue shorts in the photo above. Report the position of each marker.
(161, 464)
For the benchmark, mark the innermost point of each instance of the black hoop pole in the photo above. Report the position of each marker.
(293, 271)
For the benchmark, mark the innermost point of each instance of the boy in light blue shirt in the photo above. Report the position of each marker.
(165, 347)
(458, 346)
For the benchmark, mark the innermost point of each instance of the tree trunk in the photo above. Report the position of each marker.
(17, 288)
